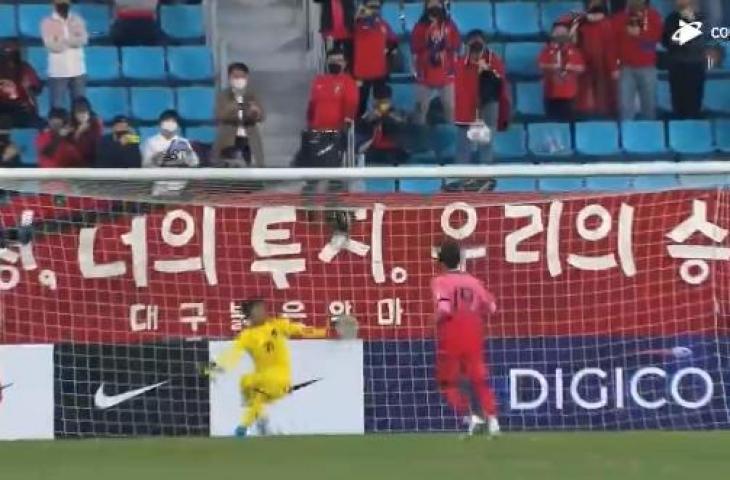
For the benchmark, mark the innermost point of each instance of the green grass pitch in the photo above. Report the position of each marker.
(544, 456)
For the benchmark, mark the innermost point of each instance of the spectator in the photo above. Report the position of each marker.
(55, 145)
(9, 153)
(334, 97)
(19, 87)
(337, 18)
(435, 43)
(638, 29)
(596, 40)
(64, 35)
(168, 148)
(686, 63)
(374, 41)
(238, 113)
(481, 96)
(561, 64)
(120, 148)
(384, 125)
(135, 22)
(86, 129)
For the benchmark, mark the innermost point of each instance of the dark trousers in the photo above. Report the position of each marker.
(240, 150)
(559, 109)
(135, 31)
(365, 89)
(687, 88)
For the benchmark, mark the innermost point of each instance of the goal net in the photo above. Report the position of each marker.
(612, 307)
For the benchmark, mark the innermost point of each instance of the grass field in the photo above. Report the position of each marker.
(584, 456)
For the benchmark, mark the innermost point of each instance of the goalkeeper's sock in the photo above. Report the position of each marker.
(241, 431)
(475, 424)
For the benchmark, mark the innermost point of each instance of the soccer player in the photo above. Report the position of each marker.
(265, 340)
(462, 301)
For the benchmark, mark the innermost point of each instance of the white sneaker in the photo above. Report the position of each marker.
(493, 427)
(475, 425)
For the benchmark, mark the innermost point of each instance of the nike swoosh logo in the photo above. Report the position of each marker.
(3, 387)
(103, 401)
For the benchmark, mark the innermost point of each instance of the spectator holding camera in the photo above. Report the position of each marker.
(482, 99)
(55, 145)
(19, 87)
(9, 153)
(168, 148)
(384, 125)
(120, 148)
(238, 113)
(561, 64)
(435, 43)
(638, 30)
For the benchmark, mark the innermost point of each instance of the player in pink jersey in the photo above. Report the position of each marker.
(462, 302)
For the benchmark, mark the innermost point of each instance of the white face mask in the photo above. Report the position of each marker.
(83, 117)
(239, 83)
(169, 126)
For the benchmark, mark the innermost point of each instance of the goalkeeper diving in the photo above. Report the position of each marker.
(265, 340)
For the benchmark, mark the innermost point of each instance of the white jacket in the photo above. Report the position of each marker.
(65, 39)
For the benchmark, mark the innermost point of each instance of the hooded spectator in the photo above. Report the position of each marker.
(334, 96)
(86, 129)
(374, 41)
(435, 43)
(687, 62)
(120, 148)
(238, 113)
(384, 125)
(19, 87)
(135, 22)
(64, 35)
(481, 95)
(561, 64)
(638, 30)
(9, 153)
(55, 145)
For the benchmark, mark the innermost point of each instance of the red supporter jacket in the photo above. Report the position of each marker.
(638, 51)
(371, 42)
(65, 155)
(561, 83)
(597, 89)
(87, 142)
(435, 47)
(466, 90)
(332, 100)
(21, 90)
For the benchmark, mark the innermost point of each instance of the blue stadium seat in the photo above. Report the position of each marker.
(608, 184)
(655, 182)
(643, 137)
(596, 138)
(109, 102)
(691, 137)
(196, 103)
(515, 184)
(44, 102)
(511, 143)
(444, 141)
(517, 19)
(9, 25)
(30, 17)
(200, 134)
(521, 58)
(102, 64)
(411, 11)
(426, 186)
(38, 58)
(143, 63)
(497, 48)
(193, 63)
(726, 62)
(378, 185)
(530, 101)
(147, 132)
(717, 99)
(560, 184)
(97, 17)
(663, 97)
(703, 181)
(551, 11)
(149, 102)
(182, 21)
(549, 139)
(404, 96)
(664, 7)
(722, 135)
(472, 16)
(24, 139)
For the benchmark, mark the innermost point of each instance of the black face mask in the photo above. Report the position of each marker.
(436, 12)
(476, 48)
(334, 68)
(62, 9)
(597, 9)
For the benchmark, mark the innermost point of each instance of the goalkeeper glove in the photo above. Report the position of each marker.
(211, 369)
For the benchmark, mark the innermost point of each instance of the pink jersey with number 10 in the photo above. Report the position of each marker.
(457, 292)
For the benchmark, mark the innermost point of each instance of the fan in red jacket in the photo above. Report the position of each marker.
(334, 97)
(374, 41)
(481, 94)
(638, 30)
(561, 64)
(19, 87)
(435, 43)
(55, 146)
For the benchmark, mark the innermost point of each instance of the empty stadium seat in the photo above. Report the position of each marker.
(716, 98)
(517, 19)
(444, 141)
(149, 102)
(549, 139)
(530, 101)
(596, 138)
(663, 97)
(200, 134)
(404, 96)
(722, 135)
(691, 137)
(703, 181)
(24, 139)
(470, 16)
(551, 11)
(391, 13)
(102, 64)
(97, 18)
(30, 17)
(38, 58)
(511, 142)
(182, 21)
(379, 185)
(643, 137)
(655, 182)
(426, 186)
(515, 184)
(9, 25)
(521, 58)
(560, 184)
(608, 183)
(109, 102)
(196, 103)
(193, 63)
(143, 63)
(44, 102)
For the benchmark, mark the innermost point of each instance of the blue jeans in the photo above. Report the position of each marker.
(465, 148)
(59, 88)
(639, 81)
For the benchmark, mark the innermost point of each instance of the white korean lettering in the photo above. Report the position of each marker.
(192, 314)
(390, 312)
(143, 318)
(294, 310)
(262, 238)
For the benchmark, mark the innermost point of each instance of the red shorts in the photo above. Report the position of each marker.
(460, 349)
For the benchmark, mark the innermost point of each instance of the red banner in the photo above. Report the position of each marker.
(85, 270)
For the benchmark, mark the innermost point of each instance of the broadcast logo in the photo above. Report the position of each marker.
(687, 32)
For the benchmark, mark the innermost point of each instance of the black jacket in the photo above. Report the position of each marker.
(112, 154)
(326, 14)
(693, 51)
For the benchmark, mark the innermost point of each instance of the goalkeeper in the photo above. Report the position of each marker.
(265, 340)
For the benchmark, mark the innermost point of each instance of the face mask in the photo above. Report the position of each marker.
(562, 38)
(476, 48)
(62, 9)
(384, 106)
(169, 126)
(597, 9)
(83, 117)
(239, 83)
(334, 68)
(436, 12)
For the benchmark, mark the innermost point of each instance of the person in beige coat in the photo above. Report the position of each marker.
(238, 113)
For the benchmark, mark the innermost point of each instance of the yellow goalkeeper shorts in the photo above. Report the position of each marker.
(273, 385)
